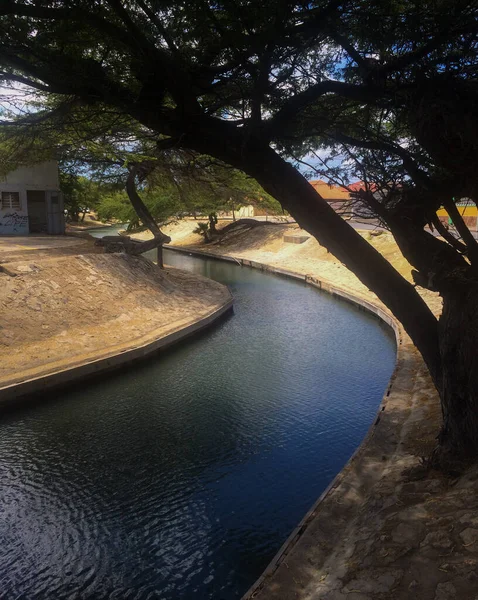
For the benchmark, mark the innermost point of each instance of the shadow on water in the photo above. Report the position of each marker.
(182, 477)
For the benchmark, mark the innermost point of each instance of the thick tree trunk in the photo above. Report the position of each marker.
(314, 214)
(297, 196)
(139, 206)
(458, 329)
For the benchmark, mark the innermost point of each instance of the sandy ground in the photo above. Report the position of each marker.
(14, 245)
(61, 307)
(90, 221)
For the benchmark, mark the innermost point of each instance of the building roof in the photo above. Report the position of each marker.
(360, 185)
(329, 192)
(357, 186)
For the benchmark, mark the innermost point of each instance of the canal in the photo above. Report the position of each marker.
(180, 478)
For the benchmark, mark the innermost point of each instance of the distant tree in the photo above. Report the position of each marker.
(203, 229)
(115, 154)
(80, 194)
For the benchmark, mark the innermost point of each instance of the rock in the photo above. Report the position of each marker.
(445, 591)
(472, 577)
(386, 580)
(405, 534)
(368, 585)
(470, 518)
(438, 540)
(469, 537)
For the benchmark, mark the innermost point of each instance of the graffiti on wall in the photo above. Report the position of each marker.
(14, 222)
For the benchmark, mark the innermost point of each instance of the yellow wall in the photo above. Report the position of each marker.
(465, 211)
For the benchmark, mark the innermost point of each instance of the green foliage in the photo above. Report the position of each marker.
(203, 229)
(80, 194)
(115, 206)
(95, 149)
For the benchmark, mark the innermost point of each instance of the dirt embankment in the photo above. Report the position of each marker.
(266, 244)
(68, 308)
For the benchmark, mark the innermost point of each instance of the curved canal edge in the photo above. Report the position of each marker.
(315, 559)
(114, 358)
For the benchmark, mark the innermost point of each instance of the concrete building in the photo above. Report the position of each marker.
(243, 212)
(31, 201)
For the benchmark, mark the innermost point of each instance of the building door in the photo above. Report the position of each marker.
(37, 214)
(55, 214)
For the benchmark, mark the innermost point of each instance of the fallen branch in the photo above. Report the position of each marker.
(123, 243)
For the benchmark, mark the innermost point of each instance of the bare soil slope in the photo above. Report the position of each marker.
(65, 309)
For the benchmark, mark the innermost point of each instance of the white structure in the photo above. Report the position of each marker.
(31, 201)
(243, 212)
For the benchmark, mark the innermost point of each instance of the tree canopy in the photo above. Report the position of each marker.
(392, 85)
(96, 153)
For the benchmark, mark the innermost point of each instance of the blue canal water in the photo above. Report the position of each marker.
(180, 478)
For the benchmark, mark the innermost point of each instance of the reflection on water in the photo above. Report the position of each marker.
(182, 477)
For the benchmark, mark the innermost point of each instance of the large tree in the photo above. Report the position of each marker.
(252, 84)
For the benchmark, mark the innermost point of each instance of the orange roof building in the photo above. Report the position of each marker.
(331, 193)
(357, 186)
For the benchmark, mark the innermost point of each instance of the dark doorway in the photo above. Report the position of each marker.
(37, 215)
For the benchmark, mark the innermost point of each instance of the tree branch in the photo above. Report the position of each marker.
(405, 60)
(299, 102)
(462, 229)
(446, 235)
(18, 79)
(158, 24)
(139, 206)
(409, 163)
(7, 7)
(354, 54)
